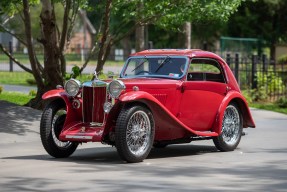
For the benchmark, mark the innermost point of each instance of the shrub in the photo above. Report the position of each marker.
(259, 94)
(247, 95)
(282, 59)
(270, 82)
(282, 102)
(32, 93)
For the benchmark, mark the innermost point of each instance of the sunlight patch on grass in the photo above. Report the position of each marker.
(15, 97)
(15, 78)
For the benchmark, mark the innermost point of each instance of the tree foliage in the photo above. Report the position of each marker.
(125, 16)
(264, 19)
(53, 36)
(115, 20)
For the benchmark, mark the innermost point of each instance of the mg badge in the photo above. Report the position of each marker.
(83, 129)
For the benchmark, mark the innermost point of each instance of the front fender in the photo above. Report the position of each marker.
(138, 95)
(164, 118)
(72, 114)
(234, 96)
(56, 93)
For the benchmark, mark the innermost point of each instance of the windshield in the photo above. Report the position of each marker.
(155, 66)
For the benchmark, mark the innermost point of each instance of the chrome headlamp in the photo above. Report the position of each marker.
(72, 87)
(115, 88)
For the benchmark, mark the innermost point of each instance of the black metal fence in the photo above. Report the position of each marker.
(262, 77)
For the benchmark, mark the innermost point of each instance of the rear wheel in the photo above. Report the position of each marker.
(134, 133)
(231, 130)
(52, 122)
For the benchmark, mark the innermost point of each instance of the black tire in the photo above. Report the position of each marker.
(160, 145)
(51, 125)
(231, 130)
(134, 133)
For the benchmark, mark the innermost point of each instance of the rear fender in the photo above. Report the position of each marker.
(236, 97)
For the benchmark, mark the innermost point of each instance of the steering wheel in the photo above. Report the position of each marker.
(143, 71)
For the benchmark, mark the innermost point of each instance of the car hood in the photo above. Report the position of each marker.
(151, 83)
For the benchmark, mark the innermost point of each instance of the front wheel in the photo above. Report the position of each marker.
(134, 133)
(231, 129)
(52, 122)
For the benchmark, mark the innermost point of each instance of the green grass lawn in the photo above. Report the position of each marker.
(15, 78)
(15, 97)
(269, 107)
(24, 78)
(71, 59)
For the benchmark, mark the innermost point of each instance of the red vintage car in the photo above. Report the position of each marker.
(161, 97)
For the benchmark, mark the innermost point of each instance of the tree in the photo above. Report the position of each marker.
(263, 19)
(117, 20)
(122, 17)
(52, 39)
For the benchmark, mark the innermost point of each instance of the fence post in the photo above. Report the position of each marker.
(236, 68)
(10, 60)
(228, 59)
(254, 72)
(264, 62)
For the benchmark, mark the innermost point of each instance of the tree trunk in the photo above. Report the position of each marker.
(187, 35)
(140, 38)
(30, 48)
(140, 31)
(126, 43)
(52, 72)
(105, 41)
(36, 102)
(52, 68)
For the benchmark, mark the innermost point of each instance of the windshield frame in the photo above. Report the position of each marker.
(154, 75)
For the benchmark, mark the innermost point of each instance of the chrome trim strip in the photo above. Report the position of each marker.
(78, 137)
(93, 106)
(83, 115)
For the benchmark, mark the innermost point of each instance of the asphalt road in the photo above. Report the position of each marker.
(259, 163)
(18, 88)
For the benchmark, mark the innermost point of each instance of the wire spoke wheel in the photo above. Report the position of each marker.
(138, 133)
(57, 126)
(231, 129)
(134, 133)
(231, 125)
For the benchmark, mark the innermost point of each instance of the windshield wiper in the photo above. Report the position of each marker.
(166, 59)
(145, 59)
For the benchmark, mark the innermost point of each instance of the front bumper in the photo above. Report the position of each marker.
(82, 132)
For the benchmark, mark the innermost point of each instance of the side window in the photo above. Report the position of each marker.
(205, 70)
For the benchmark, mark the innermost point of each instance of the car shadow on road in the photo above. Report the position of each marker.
(109, 155)
(15, 119)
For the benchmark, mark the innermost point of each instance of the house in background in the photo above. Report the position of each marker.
(83, 35)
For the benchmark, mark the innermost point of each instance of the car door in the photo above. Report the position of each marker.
(202, 94)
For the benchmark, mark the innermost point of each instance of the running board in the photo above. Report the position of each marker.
(206, 133)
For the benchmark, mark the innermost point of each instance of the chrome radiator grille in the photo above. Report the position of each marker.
(93, 101)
